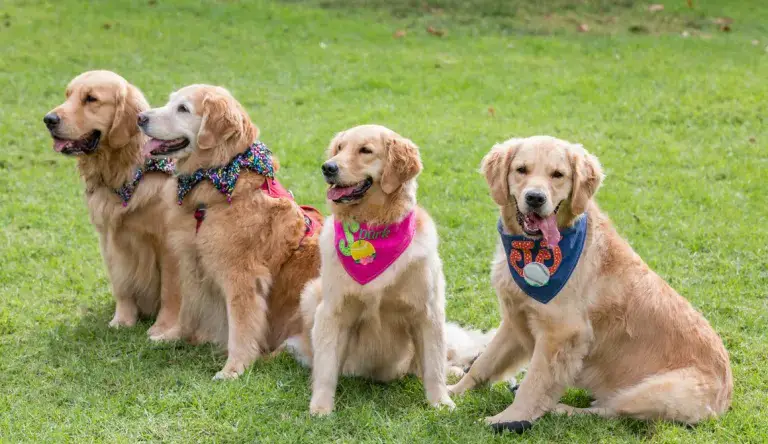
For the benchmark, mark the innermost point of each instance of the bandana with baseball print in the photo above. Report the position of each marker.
(539, 270)
(366, 251)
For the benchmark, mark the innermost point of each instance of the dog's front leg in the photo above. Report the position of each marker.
(330, 336)
(557, 359)
(246, 293)
(170, 294)
(429, 340)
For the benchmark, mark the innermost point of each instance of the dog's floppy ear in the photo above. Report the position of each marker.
(495, 167)
(223, 119)
(402, 164)
(587, 177)
(129, 102)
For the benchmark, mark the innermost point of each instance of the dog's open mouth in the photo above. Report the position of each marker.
(340, 194)
(84, 145)
(535, 225)
(160, 147)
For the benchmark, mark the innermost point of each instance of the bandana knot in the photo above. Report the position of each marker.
(126, 191)
(257, 158)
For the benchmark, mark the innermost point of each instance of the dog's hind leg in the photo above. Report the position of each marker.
(685, 395)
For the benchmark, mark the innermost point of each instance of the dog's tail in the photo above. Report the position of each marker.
(464, 345)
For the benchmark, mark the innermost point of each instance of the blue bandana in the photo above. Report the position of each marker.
(543, 281)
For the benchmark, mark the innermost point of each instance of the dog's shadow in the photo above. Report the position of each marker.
(99, 361)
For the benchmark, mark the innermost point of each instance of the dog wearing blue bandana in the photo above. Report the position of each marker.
(581, 307)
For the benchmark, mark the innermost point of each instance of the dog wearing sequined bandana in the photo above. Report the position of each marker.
(97, 124)
(378, 308)
(582, 307)
(246, 249)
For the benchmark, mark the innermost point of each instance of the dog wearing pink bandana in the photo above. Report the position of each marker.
(378, 308)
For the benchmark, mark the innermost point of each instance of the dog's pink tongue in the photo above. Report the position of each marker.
(151, 145)
(548, 227)
(59, 145)
(336, 193)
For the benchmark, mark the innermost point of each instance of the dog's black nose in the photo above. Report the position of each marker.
(535, 199)
(330, 169)
(51, 120)
(143, 119)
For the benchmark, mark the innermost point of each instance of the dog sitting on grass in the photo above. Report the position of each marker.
(246, 249)
(97, 124)
(582, 306)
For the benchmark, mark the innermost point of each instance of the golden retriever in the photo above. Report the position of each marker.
(246, 249)
(97, 123)
(390, 321)
(615, 328)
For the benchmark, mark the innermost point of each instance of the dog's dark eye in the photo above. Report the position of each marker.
(557, 174)
(182, 109)
(90, 99)
(366, 150)
(522, 170)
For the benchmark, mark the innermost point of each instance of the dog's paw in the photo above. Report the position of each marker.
(456, 389)
(320, 406)
(444, 402)
(118, 322)
(225, 374)
(164, 335)
(511, 426)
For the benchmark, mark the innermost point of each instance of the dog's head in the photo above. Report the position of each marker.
(549, 181)
(100, 111)
(201, 126)
(369, 162)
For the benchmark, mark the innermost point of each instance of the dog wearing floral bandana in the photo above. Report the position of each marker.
(246, 248)
(582, 307)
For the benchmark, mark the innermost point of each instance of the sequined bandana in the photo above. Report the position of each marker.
(257, 158)
(540, 271)
(126, 191)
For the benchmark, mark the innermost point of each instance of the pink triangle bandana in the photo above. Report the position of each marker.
(366, 251)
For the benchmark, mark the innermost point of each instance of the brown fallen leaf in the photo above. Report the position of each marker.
(492, 111)
(690, 3)
(436, 32)
(656, 7)
(752, 139)
(152, 2)
(400, 33)
(107, 26)
(725, 28)
(723, 20)
(583, 27)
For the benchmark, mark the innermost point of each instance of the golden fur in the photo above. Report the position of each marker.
(616, 329)
(242, 273)
(142, 273)
(395, 324)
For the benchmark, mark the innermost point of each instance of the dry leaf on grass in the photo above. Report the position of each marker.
(436, 32)
(656, 7)
(690, 3)
(400, 33)
(583, 27)
(492, 111)
(723, 20)
(725, 28)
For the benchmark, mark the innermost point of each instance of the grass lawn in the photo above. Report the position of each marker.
(673, 107)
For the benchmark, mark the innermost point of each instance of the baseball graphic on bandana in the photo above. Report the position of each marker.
(536, 274)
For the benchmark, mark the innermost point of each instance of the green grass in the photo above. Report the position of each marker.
(677, 122)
